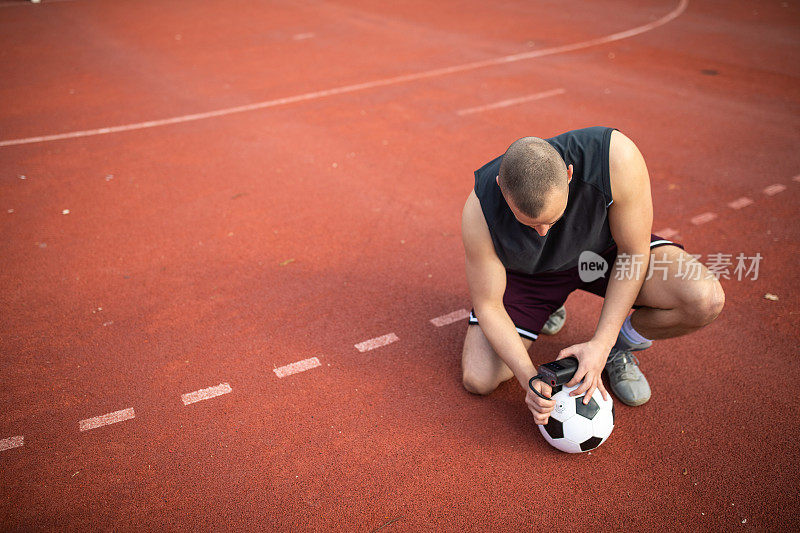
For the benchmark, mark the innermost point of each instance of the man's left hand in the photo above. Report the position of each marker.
(591, 358)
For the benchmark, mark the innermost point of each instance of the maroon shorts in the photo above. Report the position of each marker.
(531, 299)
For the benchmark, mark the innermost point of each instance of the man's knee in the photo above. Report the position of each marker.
(703, 303)
(481, 369)
(477, 384)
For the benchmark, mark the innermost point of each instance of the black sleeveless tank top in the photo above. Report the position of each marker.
(584, 225)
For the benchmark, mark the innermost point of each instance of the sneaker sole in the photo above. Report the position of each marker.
(632, 404)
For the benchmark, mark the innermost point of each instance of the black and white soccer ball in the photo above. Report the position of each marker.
(574, 427)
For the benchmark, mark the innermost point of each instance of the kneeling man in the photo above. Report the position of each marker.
(533, 212)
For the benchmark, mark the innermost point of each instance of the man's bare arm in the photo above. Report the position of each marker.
(486, 277)
(630, 218)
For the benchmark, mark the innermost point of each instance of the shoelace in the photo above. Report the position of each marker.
(623, 363)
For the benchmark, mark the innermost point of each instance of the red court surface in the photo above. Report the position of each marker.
(215, 189)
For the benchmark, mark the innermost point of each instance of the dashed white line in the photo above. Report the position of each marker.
(703, 218)
(774, 189)
(377, 342)
(302, 36)
(17, 4)
(205, 394)
(12, 442)
(667, 233)
(104, 420)
(740, 203)
(512, 101)
(449, 318)
(681, 7)
(796, 178)
(294, 368)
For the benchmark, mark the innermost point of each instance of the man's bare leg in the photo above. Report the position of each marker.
(482, 369)
(674, 306)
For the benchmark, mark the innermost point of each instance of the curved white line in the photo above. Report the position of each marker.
(37, 4)
(361, 86)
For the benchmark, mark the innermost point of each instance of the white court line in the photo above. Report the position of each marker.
(740, 203)
(104, 420)
(17, 4)
(667, 233)
(772, 190)
(796, 178)
(12, 442)
(205, 394)
(294, 368)
(703, 218)
(512, 101)
(302, 36)
(377, 342)
(455, 316)
(362, 86)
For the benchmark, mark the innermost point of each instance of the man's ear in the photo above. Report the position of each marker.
(569, 174)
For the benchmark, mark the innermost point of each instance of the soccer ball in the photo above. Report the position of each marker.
(574, 427)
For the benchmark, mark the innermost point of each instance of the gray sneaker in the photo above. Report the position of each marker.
(625, 378)
(555, 322)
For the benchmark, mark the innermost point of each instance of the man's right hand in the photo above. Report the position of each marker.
(540, 408)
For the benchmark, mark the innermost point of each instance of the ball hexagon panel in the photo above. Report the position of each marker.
(566, 445)
(603, 423)
(578, 429)
(604, 403)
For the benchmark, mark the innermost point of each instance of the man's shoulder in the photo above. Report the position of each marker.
(621, 148)
(625, 161)
(474, 229)
(472, 215)
(629, 178)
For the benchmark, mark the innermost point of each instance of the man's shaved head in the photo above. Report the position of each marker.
(530, 172)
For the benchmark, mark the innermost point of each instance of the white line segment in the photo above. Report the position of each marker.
(294, 368)
(740, 203)
(703, 218)
(205, 394)
(796, 178)
(667, 233)
(104, 420)
(772, 190)
(12, 442)
(17, 4)
(455, 316)
(376, 342)
(434, 73)
(512, 101)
